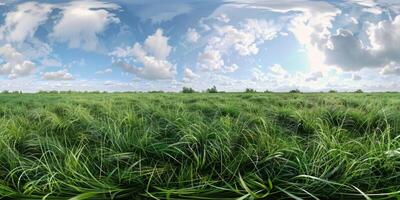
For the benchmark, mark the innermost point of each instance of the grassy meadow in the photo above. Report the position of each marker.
(200, 146)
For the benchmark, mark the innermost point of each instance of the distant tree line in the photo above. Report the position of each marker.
(212, 89)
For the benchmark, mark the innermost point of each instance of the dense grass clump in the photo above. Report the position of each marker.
(200, 146)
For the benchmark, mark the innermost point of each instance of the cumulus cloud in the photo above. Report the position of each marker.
(24, 21)
(188, 75)
(223, 18)
(192, 35)
(157, 45)
(243, 40)
(347, 51)
(210, 59)
(20, 26)
(258, 75)
(375, 46)
(277, 69)
(152, 56)
(14, 65)
(82, 21)
(61, 75)
(391, 69)
(314, 76)
(310, 25)
(385, 38)
(72, 26)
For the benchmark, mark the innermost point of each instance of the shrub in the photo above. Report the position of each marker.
(188, 90)
(295, 91)
(332, 91)
(250, 90)
(213, 89)
(359, 91)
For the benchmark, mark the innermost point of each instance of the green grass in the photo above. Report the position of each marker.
(200, 146)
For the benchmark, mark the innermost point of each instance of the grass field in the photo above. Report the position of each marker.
(200, 146)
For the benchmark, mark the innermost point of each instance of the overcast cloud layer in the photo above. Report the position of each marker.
(234, 44)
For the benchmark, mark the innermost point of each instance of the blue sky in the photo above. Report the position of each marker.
(165, 45)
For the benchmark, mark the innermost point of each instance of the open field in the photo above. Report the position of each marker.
(203, 146)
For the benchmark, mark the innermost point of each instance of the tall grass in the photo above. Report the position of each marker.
(200, 146)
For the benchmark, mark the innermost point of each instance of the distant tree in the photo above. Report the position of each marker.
(267, 91)
(359, 91)
(188, 90)
(295, 91)
(213, 89)
(332, 91)
(250, 90)
(5, 92)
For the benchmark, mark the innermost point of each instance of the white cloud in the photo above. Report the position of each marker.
(258, 75)
(82, 21)
(385, 38)
(24, 21)
(188, 75)
(51, 62)
(223, 18)
(366, 3)
(15, 65)
(61, 75)
(211, 60)
(391, 69)
(310, 24)
(277, 69)
(230, 68)
(346, 51)
(157, 45)
(350, 53)
(370, 6)
(106, 71)
(116, 83)
(192, 35)
(314, 76)
(243, 40)
(153, 58)
(356, 77)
